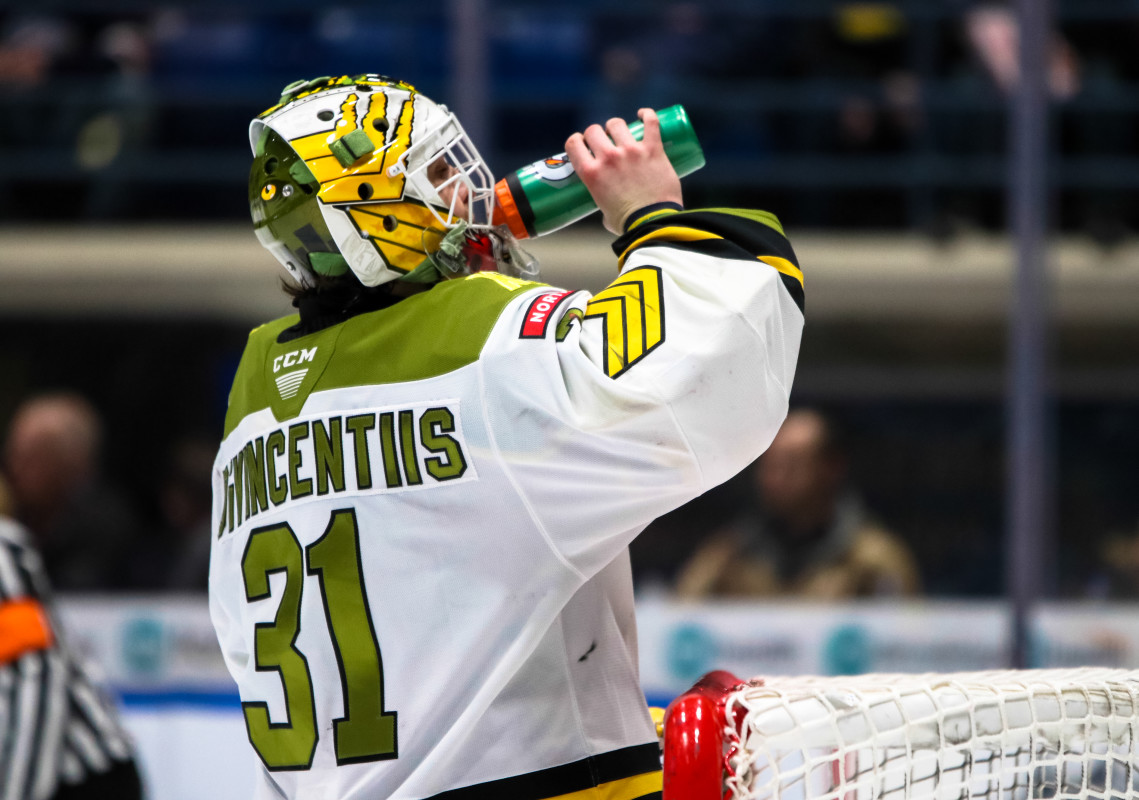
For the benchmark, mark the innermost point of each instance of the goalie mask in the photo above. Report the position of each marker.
(363, 173)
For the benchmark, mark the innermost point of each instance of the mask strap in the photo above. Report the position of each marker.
(447, 255)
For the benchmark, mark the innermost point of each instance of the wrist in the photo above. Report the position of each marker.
(651, 211)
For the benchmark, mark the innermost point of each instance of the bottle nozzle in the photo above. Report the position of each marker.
(506, 211)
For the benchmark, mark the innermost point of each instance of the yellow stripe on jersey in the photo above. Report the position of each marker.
(784, 266)
(630, 773)
(673, 233)
(623, 789)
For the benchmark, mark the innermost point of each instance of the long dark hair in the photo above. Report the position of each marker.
(329, 300)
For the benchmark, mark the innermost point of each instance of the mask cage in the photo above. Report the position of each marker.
(450, 143)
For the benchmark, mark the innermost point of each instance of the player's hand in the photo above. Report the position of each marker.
(622, 174)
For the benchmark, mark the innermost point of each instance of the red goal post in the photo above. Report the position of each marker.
(1067, 734)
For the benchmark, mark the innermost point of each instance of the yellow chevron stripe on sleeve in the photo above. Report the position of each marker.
(632, 310)
(673, 233)
(784, 266)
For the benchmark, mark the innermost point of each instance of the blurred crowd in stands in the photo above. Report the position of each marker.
(801, 531)
(781, 94)
(795, 524)
(91, 534)
(835, 114)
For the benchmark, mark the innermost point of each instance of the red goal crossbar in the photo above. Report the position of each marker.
(1069, 734)
(694, 728)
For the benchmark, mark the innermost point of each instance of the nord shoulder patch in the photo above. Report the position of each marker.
(540, 312)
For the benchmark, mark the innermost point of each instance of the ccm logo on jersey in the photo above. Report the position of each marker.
(538, 315)
(293, 358)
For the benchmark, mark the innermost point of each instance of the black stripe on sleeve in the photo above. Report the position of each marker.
(88, 710)
(84, 739)
(795, 289)
(573, 777)
(751, 235)
(634, 218)
(37, 754)
(31, 573)
(26, 722)
(70, 764)
(10, 587)
(8, 741)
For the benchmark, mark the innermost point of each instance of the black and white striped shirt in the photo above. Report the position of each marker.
(56, 724)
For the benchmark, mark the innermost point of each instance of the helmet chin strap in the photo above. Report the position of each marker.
(446, 257)
(464, 250)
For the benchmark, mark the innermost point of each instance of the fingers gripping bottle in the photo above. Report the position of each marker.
(548, 195)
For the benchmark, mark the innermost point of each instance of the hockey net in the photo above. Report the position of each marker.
(1009, 735)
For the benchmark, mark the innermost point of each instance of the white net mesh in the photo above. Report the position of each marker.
(1008, 735)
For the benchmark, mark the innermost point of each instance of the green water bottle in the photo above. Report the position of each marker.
(548, 195)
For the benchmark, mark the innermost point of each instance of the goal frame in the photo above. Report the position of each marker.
(719, 731)
(694, 728)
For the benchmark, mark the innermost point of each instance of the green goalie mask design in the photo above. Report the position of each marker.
(363, 173)
(286, 216)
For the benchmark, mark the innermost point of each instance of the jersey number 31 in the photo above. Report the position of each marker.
(366, 732)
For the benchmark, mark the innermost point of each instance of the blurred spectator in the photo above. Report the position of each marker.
(32, 46)
(994, 36)
(177, 557)
(33, 49)
(994, 33)
(78, 86)
(61, 734)
(121, 123)
(80, 524)
(806, 535)
(866, 41)
(865, 51)
(658, 66)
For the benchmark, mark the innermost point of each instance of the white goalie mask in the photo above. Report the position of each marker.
(399, 186)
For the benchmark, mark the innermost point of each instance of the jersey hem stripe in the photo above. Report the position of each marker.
(626, 774)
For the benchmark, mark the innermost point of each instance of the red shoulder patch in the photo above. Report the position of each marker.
(540, 312)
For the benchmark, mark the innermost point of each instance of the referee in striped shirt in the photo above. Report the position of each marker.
(60, 736)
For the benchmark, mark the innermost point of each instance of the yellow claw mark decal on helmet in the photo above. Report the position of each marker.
(401, 134)
(348, 112)
(339, 184)
(314, 148)
(324, 84)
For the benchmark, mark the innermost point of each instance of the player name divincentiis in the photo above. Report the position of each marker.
(375, 451)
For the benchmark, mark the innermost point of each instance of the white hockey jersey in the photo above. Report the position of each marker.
(420, 576)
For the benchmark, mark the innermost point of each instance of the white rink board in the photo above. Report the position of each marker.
(160, 657)
(679, 642)
(192, 753)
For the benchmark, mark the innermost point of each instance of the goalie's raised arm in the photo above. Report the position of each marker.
(621, 173)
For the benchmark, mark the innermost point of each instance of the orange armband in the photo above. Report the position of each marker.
(24, 628)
